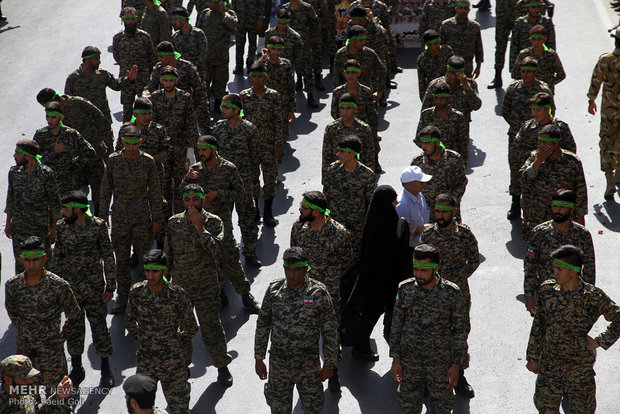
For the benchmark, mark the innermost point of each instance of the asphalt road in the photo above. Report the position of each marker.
(41, 44)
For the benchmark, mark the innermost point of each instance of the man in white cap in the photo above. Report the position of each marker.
(412, 204)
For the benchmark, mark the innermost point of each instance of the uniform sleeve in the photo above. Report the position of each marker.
(69, 85)
(191, 125)
(107, 254)
(381, 73)
(371, 185)
(166, 144)
(280, 114)
(153, 83)
(230, 21)
(107, 186)
(154, 192)
(187, 321)
(168, 248)
(263, 327)
(611, 312)
(596, 81)
(10, 197)
(165, 33)
(338, 74)
(472, 254)
(329, 332)
(11, 304)
(131, 317)
(507, 105)
(558, 69)
(422, 79)
(478, 49)
(85, 152)
(515, 71)
(568, 141)
(52, 196)
(550, 29)
(212, 236)
(581, 190)
(427, 96)
(531, 266)
(71, 310)
(459, 179)
(460, 330)
(328, 150)
(398, 320)
(515, 45)
(463, 139)
(527, 171)
(335, 111)
(203, 49)
(589, 264)
(369, 152)
(149, 48)
(95, 115)
(115, 53)
(537, 333)
(472, 97)
(113, 82)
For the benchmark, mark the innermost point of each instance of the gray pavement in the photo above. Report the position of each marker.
(41, 45)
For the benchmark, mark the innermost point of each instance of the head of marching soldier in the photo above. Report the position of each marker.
(540, 105)
(169, 78)
(140, 392)
(258, 76)
(462, 10)
(231, 106)
(217, 5)
(275, 47)
(91, 58)
(143, 112)
(131, 140)
(352, 71)
(349, 149)
(430, 142)
(16, 370)
(538, 36)
(313, 206)
(129, 15)
(74, 207)
(47, 95)
(166, 53)
(441, 95)
(533, 8)
(528, 68)
(432, 42)
(54, 115)
(567, 262)
(445, 210)
(179, 18)
(33, 256)
(27, 153)
(455, 70)
(425, 265)
(358, 14)
(549, 138)
(155, 269)
(295, 267)
(563, 205)
(347, 107)
(193, 195)
(207, 148)
(283, 18)
(357, 38)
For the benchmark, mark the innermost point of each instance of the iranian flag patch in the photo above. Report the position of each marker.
(530, 250)
(308, 300)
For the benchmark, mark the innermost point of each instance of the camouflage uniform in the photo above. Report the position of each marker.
(137, 204)
(453, 128)
(128, 51)
(136, 4)
(194, 48)
(506, 14)
(550, 69)
(433, 14)
(295, 319)
(329, 34)
(294, 49)
(539, 186)
(281, 77)
(266, 114)
(189, 81)
(376, 38)
(23, 404)
(381, 12)
(366, 108)
(78, 153)
(170, 5)
(465, 40)
(156, 23)
(605, 72)
(33, 202)
(336, 130)
(161, 322)
(199, 4)
(545, 238)
(348, 197)
(224, 179)
(373, 68)
(432, 67)
(36, 311)
(78, 253)
(249, 12)
(558, 342)
(305, 22)
(520, 38)
(193, 263)
(429, 334)
(320, 8)
(218, 30)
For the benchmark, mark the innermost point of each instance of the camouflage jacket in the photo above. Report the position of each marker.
(200, 5)
(516, 106)
(463, 100)
(526, 139)
(376, 37)
(464, 38)
(240, 146)
(134, 50)
(432, 67)
(304, 21)
(520, 38)
(453, 128)
(550, 69)
(218, 30)
(293, 46)
(373, 68)
(265, 112)
(448, 175)
(433, 14)
(156, 23)
(366, 108)
(83, 116)
(192, 47)
(248, 11)
(605, 73)
(281, 77)
(155, 141)
(336, 130)
(379, 10)
(176, 114)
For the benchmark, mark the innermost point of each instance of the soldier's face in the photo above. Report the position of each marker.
(352, 76)
(52, 121)
(537, 41)
(130, 24)
(461, 12)
(275, 52)
(143, 119)
(258, 80)
(424, 276)
(360, 21)
(192, 201)
(347, 112)
(155, 278)
(281, 26)
(358, 43)
(206, 154)
(443, 218)
(528, 76)
(34, 265)
(295, 276)
(434, 48)
(563, 275)
(177, 22)
(540, 114)
(430, 148)
(167, 59)
(131, 150)
(305, 213)
(16, 381)
(168, 84)
(561, 213)
(93, 62)
(345, 156)
(441, 101)
(533, 11)
(69, 214)
(20, 159)
(227, 111)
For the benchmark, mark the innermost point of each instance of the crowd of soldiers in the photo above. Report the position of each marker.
(175, 173)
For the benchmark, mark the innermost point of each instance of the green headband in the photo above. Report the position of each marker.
(154, 267)
(351, 69)
(178, 16)
(91, 55)
(442, 95)
(129, 16)
(176, 54)
(549, 139)
(227, 103)
(349, 150)
(157, 2)
(32, 253)
(315, 207)
(430, 42)
(347, 103)
(281, 20)
(258, 73)
(196, 193)
(360, 37)
(532, 68)
(205, 145)
(562, 203)
(444, 207)
(143, 111)
(429, 139)
(128, 140)
(533, 3)
(357, 17)
(36, 157)
(168, 77)
(275, 45)
(420, 265)
(74, 204)
(537, 36)
(297, 264)
(567, 265)
(453, 69)
(56, 94)
(466, 5)
(54, 113)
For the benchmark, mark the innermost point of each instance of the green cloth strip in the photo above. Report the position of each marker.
(127, 140)
(143, 111)
(91, 55)
(444, 207)
(360, 37)
(533, 3)
(178, 16)
(232, 105)
(56, 95)
(155, 267)
(346, 103)
(549, 139)
(73, 204)
(129, 16)
(36, 157)
(532, 68)
(349, 150)
(537, 36)
(284, 21)
(205, 145)
(32, 253)
(421, 265)
(275, 45)
(196, 193)
(296, 264)
(562, 203)
(54, 113)
(176, 54)
(258, 73)
(429, 139)
(442, 95)
(466, 5)
(435, 40)
(453, 69)
(351, 69)
(315, 207)
(567, 265)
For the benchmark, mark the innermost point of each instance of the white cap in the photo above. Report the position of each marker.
(414, 173)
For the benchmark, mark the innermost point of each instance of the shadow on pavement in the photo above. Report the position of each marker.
(515, 246)
(608, 214)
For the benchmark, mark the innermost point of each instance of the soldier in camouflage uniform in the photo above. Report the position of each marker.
(90, 82)
(428, 341)
(140, 393)
(463, 35)
(320, 8)
(131, 176)
(35, 301)
(550, 235)
(223, 187)
(32, 200)
(560, 351)
(170, 5)
(432, 63)
(376, 36)
(132, 47)
(434, 12)
(346, 125)
(606, 73)
(294, 49)
(138, 5)
(348, 186)
(190, 42)
(548, 169)
(239, 142)
(160, 318)
(193, 248)
(296, 312)
(506, 14)
(250, 15)
(155, 22)
(200, 5)
(263, 108)
(520, 38)
(82, 244)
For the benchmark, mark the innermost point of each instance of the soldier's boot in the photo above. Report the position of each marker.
(268, 214)
(497, 81)
(312, 103)
(224, 377)
(257, 215)
(333, 384)
(383, 100)
(120, 305)
(250, 304)
(318, 82)
(238, 70)
(2, 18)
(77, 370)
(463, 387)
(252, 261)
(483, 5)
(223, 299)
(331, 64)
(133, 260)
(610, 189)
(617, 176)
(217, 108)
(363, 351)
(515, 208)
(299, 85)
(107, 379)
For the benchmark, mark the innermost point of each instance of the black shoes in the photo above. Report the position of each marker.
(312, 103)
(250, 303)
(515, 208)
(333, 384)
(268, 219)
(252, 261)
(238, 70)
(318, 82)
(107, 379)
(223, 299)
(120, 305)
(224, 377)
(77, 375)
(299, 85)
(463, 387)
(497, 81)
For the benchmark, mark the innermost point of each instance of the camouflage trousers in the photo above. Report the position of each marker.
(269, 166)
(418, 374)
(173, 376)
(609, 143)
(230, 261)
(576, 381)
(503, 27)
(107, 135)
(240, 34)
(217, 77)
(393, 62)
(20, 235)
(515, 162)
(176, 168)
(304, 68)
(66, 181)
(92, 176)
(128, 231)
(285, 372)
(128, 94)
(246, 210)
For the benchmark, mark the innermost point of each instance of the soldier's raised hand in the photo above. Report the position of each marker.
(132, 73)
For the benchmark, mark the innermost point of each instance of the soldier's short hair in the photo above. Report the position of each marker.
(165, 46)
(193, 187)
(569, 253)
(128, 10)
(30, 146)
(33, 243)
(357, 11)
(234, 99)
(142, 103)
(156, 256)
(89, 51)
(169, 70)
(295, 254)
(275, 40)
(75, 196)
(348, 97)
(564, 194)
(209, 139)
(552, 130)
(131, 131)
(141, 388)
(430, 35)
(426, 251)
(538, 29)
(541, 98)
(529, 61)
(316, 198)
(430, 131)
(442, 87)
(352, 62)
(356, 30)
(446, 199)
(180, 11)
(258, 66)
(46, 95)
(351, 142)
(283, 13)
(54, 107)
(456, 62)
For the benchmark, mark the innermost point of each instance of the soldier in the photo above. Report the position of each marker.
(218, 24)
(548, 169)
(32, 200)
(294, 49)
(190, 41)
(428, 342)
(321, 9)
(160, 319)
(90, 82)
(193, 248)
(35, 301)
(140, 393)
(463, 35)
(550, 235)
(132, 47)
(348, 186)
(223, 187)
(432, 63)
(412, 205)
(88, 120)
(138, 5)
(263, 108)
(250, 15)
(434, 12)
(239, 144)
(506, 14)
(444, 165)
(82, 243)
(376, 37)
(199, 4)
(155, 22)
(560, 351)
(344, 126)
(605, 73)
(295, 327)
(451, 123)
(131, 176)
(63, 149)
(522, 26)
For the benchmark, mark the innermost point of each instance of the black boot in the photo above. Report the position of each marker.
(268, 219)
(252, 261)
(483, 5)
(463, 387)
(77, 370)
(312, 103)
(257, 215)
(216, 107)
(119, 305)
(250, 303)
(224, 377)
(497, 81)
(238, 70)
(318, 82)
(107, 379)
(363, 351)
(610, 187)
(333, 384)
(331, 63)
(515, 208)
(299, 85)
